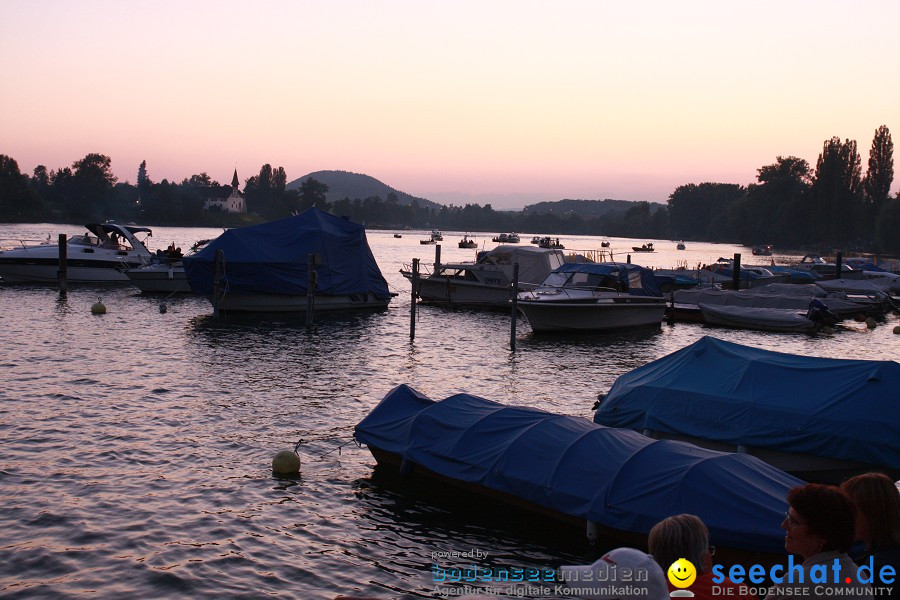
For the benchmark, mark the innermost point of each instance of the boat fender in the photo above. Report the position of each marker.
(286, 462)
(592, 531)
(406, 467)
(98, 308)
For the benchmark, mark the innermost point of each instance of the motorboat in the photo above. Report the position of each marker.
(487, 281)
(686, 302)
(434, 237)
(398, 236)
(594, 297)
(680, 246)
(97, 256)
(549, 242)
(266, 267)
(600, 480)
(822, 419)
(816, 264)
(165, 272)
(648, 247)
(784, 320)
(763, 250)
(507, 238)
(467, 242)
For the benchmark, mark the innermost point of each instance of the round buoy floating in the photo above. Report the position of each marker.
(98, 308)
(897, 329)
(871, 323)
(286, 462)
(860, 318)
(827, 329)
(163, 308)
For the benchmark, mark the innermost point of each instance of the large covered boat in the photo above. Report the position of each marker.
(609, 482)
(486, 282)
(823, 419)
(98, 256)
(265, 268)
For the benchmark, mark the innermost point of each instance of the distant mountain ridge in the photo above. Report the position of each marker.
(585, 208)
(344, 184)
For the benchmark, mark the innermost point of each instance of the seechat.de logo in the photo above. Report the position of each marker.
(681, 575)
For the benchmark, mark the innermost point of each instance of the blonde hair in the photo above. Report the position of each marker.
(681, 536)
(877, 498)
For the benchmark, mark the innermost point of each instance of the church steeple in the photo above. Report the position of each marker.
(235, 182)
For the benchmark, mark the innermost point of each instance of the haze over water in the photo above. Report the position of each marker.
(138, 444)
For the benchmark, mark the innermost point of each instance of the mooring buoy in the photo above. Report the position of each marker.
(286, 462)
(98, 308)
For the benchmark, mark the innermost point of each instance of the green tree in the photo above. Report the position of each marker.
(17, 201)
(777, 203)
(880, 174)
(696, 211)
(836, 194)
(91, 188)
(312, 193)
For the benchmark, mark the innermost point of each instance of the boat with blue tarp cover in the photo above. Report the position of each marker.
(266, 267)
(611, 480)
(823, 419)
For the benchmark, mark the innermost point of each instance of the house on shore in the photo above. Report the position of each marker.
(232, 203)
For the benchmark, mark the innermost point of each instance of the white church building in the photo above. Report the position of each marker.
(233, 203)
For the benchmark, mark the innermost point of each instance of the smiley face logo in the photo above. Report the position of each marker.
(682, 573)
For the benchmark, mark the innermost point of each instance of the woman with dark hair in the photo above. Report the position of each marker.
(687, 537)
(819, 527)
(877, 523)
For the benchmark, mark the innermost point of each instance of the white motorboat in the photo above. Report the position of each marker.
(98, 256)
(487, 281)
(594, 297)
(165, 273)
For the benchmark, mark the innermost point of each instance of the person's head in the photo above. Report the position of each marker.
(681, 536)
(626, 566)
(820, 518)
(877, 509)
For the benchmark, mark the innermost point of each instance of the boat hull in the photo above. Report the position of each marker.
(444, 290)
(159, 279)
(273, 303)
(758, 319)
(46, 270)
(624, 313)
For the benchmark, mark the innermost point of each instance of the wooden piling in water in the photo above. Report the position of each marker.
(63, 273)
(310, 288)
(412, 300)
(514, 290)
(736, 272)
(838, 264)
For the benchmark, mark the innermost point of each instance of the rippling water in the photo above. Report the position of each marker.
(137, 444)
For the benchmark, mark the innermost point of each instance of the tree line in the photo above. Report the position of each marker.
(791, 205)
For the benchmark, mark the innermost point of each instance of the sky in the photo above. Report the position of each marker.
(456, 101)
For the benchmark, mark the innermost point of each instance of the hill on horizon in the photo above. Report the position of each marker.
(344, 184)
(586, 208)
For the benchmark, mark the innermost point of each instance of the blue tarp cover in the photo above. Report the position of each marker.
(617, 478)
(634, 279)
(717, 390)
(272, 258)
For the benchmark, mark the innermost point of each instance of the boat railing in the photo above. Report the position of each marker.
(24, 243)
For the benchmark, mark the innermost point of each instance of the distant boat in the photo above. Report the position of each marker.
(765, 250)
(680, 246)
(397, 235)
(467, 242)
(549, 242)
(648, 247)
(434, 237)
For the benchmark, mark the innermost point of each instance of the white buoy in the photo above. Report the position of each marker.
(98, 308)
(871, 323)
(286, 462)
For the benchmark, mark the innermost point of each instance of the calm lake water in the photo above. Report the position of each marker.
(137, 445)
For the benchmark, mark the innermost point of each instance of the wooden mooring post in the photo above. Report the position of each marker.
(412, 299)
(218, 269)
(838, 264)
(736, 272)
(63, 273)
(311, 277)
(514, 290)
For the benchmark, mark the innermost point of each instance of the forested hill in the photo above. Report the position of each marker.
(344, 184)
(585, 208)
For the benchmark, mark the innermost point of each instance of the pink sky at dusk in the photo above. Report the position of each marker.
(502, 102)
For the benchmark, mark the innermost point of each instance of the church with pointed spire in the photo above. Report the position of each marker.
(233, 203)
